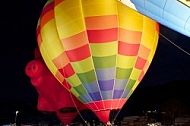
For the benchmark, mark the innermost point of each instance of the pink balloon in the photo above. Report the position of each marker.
(52, 95)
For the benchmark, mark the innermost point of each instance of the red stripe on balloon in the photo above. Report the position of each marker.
(140, 63)
(47, 8)
(102, 36)
(67, 71)
(141, 76)
(128, 49)
(108, 104)
(92, 106)
(66, 84)
(119, 103)
(78, 54)
(38, 30)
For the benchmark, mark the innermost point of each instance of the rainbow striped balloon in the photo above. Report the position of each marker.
(98, 49)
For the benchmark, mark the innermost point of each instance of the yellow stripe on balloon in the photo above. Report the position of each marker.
(47, 59)
(135, 74)
(97, 7)
(52, 42)
(73, 23)
(129, 19)
(125, 61)
(74, 80)
(153, 48)
(83, 65)
(151, 55)
(133, 89)
(130, 24)
(147, 39)
(135, 85)
(73, 91)
(104, 49)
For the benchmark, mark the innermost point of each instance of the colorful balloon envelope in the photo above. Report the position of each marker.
(98, 49)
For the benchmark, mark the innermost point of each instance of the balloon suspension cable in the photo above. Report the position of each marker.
(116, 115)
(174, 44)
(76, 105)
(77, 108)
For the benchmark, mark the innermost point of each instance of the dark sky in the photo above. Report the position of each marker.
(18, 22)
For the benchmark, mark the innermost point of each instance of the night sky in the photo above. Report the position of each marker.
(18, 39)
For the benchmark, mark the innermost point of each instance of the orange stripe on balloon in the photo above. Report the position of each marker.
(144, 52)
(75, 41)
(79, 53)
(47, 8)
(46, 18)
(63, 80)
(101, 22)
(129, 36)
(102, 36)
(39, 37)
(61, 60)
(146, 66)
(157, 27)
(60, 76)
(128, 49)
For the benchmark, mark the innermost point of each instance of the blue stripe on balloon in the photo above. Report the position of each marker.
(125, 93)
(95, 96)
(120, 84)
(117, 94)
(92, 87)
(106, 85)
(105, 74)
(106, 95)
(86, 98)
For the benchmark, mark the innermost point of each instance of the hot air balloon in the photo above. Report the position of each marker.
(44, 106)
(173, 14)
(52, 96)
(97, 49)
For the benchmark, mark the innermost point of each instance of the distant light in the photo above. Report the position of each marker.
(17, 112)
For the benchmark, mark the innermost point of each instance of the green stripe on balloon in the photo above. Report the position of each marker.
(104, 62)
(87, 77)
(80, 89)
(123, 73)
(130, 84)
